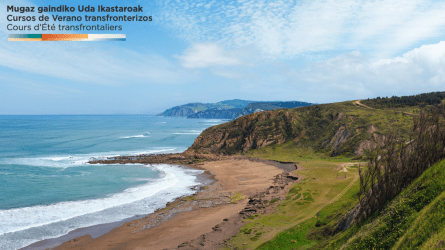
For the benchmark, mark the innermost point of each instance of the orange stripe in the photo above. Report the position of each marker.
(64, 37)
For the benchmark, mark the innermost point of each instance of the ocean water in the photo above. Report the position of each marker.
(47, 188)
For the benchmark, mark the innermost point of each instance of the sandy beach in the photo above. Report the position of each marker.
(206, 219)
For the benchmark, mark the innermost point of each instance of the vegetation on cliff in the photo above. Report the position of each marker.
(399, 162)
(331, 129)
(433, 98)
(349, 128)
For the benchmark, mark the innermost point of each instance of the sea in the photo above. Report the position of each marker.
(48, 189)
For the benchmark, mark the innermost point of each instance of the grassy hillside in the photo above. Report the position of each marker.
(334, 129)
(309, 215)
(415, 219)
(324, 140)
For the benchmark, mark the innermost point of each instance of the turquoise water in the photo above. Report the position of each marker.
(48, 189)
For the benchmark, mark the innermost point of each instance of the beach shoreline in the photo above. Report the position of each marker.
(187, 218)
(98, 230)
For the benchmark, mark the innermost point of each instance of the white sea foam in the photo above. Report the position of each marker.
(133, 136)
(23, 226)
(189, 132)
(60, 158)
(136, 136)
(186, 133)
(77, 160)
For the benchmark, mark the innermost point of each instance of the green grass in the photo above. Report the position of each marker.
(437, 241)
(289, 152)
(311, 231)
(415, 219)
(236, 197)
(189, 198)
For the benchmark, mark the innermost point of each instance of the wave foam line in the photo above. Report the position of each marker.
(18, 219)
(75, 160)
(186, 133)
(147, 205)
(133, 136)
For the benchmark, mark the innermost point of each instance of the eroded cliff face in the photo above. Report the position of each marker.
(320, 128)
(248, 132)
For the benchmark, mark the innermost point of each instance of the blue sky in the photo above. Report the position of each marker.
(209, 51)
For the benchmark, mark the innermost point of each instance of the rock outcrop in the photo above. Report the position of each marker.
(248, 132)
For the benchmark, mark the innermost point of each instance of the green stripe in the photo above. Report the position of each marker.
(25, 35)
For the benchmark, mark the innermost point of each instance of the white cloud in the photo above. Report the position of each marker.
(285, 29)
(354, 75)
(79, 62)
(348, 76)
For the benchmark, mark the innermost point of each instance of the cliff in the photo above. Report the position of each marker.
(347, 128)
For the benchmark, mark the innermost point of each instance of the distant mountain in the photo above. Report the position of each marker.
(193, 108)
(230, 109)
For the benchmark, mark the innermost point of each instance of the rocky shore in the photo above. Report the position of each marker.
(263, 202)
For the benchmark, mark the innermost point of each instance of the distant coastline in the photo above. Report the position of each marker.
(230, 109)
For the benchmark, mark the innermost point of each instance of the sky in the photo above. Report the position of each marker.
(209, 51)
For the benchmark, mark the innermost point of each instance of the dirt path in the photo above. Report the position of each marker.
(338, 195)
(344, 190)
(408, 113)
(361, 104)
(358, 103)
